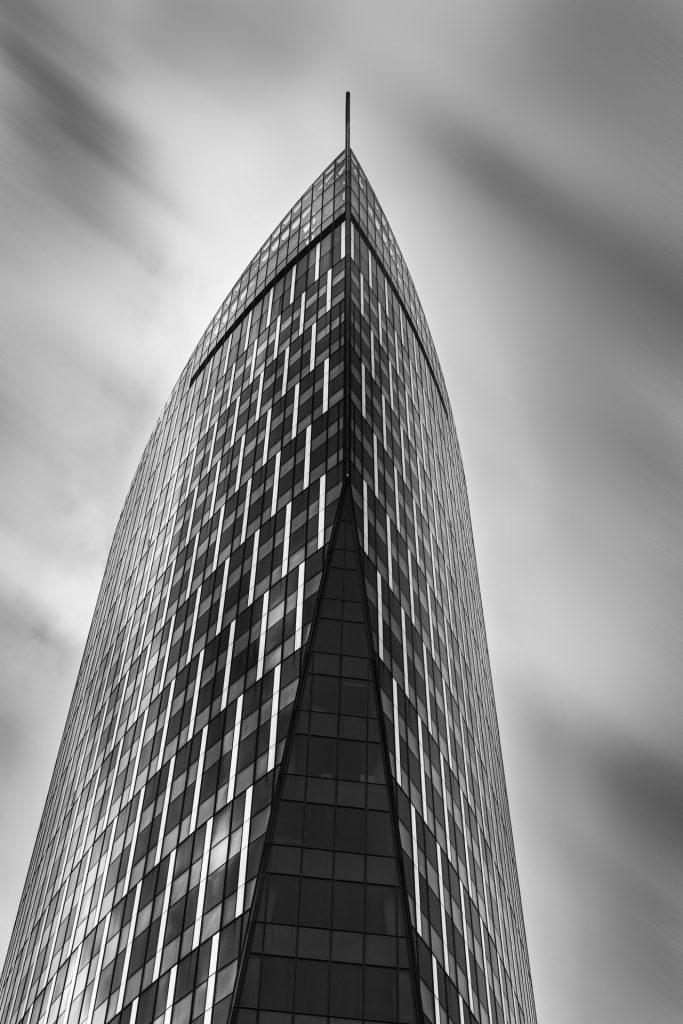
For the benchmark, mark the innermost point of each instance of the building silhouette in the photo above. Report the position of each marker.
(280, 795)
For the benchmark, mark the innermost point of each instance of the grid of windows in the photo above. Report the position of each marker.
(382, 886)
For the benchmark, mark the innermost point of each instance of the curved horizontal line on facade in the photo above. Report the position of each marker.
(283, 273)
(406, 311)
(303, 251)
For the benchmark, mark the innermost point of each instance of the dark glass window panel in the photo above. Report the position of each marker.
(250, 988)
(406, 999)
(381, 950)
(347, 947)
(290, 822)
(380, 909)
(380, 993)
(350, 866)
(353, 696)
(352, 760)
(379, 833)
(312, 984)
(314, 943)
(277, 982)
(322, 757)
(280, 939)
(315, 908)
(282, 906)
(346, 991)
(348, 906)
(350, 830)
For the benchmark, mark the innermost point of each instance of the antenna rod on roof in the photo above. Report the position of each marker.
(348, 119)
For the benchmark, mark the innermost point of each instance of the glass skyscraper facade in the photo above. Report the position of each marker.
(279, 797)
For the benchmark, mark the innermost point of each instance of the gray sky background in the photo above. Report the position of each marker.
(528, 154)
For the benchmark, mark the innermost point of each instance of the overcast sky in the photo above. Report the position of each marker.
(528, 155)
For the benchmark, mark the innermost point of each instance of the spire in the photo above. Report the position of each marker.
(348, 120)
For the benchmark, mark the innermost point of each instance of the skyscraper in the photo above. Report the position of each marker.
(279, 796)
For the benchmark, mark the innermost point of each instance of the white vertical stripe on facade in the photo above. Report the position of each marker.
(228, 666)
(317, 261)
(307, 458)
(195, 695)
(254, 349)
(244, 850)
(211, 983)
(343, 239)
(238, 476)
(202, 884)
(234, 421)
(389, 558)
(435, 984)
(284, 373)
(235, 748)
(167, 716)
(375, 463)
(416, 871)
(295, 410)
(326, 384)
(194, 623)
(314, 327)
(321, 512)
(276, 482)
(98, 969)
(170, 995)
(397, 735)
(442, 907)
(192, 563)
(259, 395)
(248, 330)
(164, 811)
(276, 341)
(423, 781)
(328, 297)
(302, 312)
(129, 947)
(266, 437)
(362, 391)
(299, 606)
(262, 635)
(254, 565)
(465, 929)
(219, 531)
(291, 287)
(245, 514)
(138, 752)
(380, 617)
(198, 780)
(446, 805)
(285, 540)
(404, 649)
(396, 499)
(270, 307)
(272, 738)
(221, 602)
(365, 516)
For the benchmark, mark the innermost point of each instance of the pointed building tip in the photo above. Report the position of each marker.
(348, 119)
